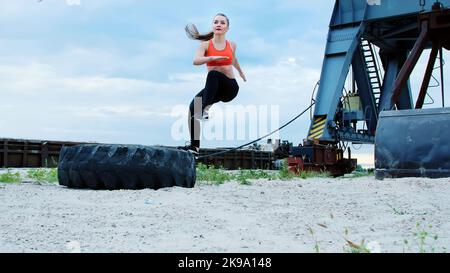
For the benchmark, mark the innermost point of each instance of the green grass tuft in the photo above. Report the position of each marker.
(10, 177)
(212, 175)
(43, 175)
(217, 176)
(244, 175)
(306, 175)
(354, 248)
(284, 173)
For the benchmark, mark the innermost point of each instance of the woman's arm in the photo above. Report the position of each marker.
(200, 59)
(236, 63)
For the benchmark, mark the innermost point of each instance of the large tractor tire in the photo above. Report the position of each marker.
(114, 167)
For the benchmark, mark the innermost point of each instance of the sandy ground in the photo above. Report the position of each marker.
(267, 216)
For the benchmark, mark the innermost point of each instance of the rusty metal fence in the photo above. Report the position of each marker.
(20, 153)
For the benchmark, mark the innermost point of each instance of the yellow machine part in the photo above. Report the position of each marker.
(316, 131)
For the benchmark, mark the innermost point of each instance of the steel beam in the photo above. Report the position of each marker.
(427, 76)
(411, 62)
(341, 46)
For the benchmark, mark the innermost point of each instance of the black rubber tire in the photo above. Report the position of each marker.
(114, 167)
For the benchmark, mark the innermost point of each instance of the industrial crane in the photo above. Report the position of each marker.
(378, 43)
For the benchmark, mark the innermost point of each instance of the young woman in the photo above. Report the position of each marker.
(219, 55)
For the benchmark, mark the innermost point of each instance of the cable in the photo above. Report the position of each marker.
(313, 101)
(271, 133)
(432, 100)
(436, 84)
(357, 149)
(441, 58)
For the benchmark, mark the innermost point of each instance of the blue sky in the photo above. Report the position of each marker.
(113, 70)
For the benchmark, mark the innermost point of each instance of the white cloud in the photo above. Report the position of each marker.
(37, 79)
(80, 100)
(188, 77)
(119, 111)
(6, 106)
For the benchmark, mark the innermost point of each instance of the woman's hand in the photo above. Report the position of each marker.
(242, 76)
(218, 58)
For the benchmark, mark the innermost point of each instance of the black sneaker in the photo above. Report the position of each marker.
(191, 149)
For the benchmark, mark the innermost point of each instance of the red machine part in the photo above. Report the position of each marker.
(313, 157)
(295, 165)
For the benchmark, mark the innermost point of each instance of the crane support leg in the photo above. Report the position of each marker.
(341, 46)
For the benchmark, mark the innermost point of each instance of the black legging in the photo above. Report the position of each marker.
(218, 88)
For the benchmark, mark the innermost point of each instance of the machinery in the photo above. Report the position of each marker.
(375, 44)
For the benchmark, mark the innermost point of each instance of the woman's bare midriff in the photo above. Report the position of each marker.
(227, 70)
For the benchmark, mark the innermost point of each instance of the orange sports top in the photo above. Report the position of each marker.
(228, 52)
